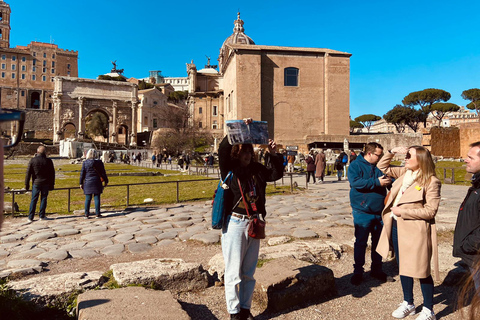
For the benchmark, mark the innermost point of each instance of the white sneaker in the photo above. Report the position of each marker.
(404, 309)
(426, 314)
(29, 220)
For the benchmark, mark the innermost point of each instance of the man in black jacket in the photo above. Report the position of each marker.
(42, 172)
(466, 240)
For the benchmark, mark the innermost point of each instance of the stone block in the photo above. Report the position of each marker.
(129, 303)
(165, 274)
(287, 282)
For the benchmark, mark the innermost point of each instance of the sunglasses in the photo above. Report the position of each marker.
(408, 155)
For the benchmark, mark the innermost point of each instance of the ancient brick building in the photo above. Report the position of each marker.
(303, 93)
(27, 72)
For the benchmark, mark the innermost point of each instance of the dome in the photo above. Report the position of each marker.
(238, 36)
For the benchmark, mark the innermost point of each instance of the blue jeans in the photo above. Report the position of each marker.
(88, 200)
(240, 254)
(366, 224)
(36, 191)
(426, 284)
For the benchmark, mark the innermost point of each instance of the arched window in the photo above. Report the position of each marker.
(291, 77)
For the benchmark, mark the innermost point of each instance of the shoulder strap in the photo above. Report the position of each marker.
(243, 198)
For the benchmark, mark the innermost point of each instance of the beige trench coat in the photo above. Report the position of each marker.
(417, 234)
(320, 165)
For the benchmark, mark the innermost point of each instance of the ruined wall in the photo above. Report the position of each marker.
(40, 121)
(445, 142)
(469, 133)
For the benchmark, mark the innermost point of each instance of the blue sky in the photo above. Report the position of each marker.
(397, 47)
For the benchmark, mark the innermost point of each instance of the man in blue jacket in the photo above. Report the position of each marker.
(367, 195)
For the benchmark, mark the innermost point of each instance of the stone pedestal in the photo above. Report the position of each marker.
(287, 282)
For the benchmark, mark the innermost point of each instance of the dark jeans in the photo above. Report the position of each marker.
(366, 224)
(43, 192)
(88, 200)
(312, 174)
(426, 284)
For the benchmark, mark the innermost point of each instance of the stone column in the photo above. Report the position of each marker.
(57, 111)
(81, 120)
(326, 114)
(133, 134)
(114, 122)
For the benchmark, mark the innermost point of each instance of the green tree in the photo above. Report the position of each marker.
(96, 124)
(177, 96)
(425, 99)
(142, 85)
(367, 120)
(474, 96)
(355, 125)
(182, 134)
(440, 108)
(398, 116)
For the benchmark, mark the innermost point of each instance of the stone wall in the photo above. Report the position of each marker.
(454, 142)
(41, 122)
(445, 142)
(469, 133)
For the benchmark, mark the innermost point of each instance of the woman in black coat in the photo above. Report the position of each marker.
(310, 167)
(91, 178)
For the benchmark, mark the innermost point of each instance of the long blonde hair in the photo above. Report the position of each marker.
(426, 165)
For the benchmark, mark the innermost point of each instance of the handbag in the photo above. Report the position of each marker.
(101, 178)
(218, 205)
(256, 226)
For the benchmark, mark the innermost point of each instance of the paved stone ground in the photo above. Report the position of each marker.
(26, 248)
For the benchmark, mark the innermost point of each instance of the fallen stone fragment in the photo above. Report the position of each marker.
(288, 282)
(278, 240)
(164, 274)
(45, 290)
(130, 303)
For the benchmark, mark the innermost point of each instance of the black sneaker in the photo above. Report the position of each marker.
(235, 316)
(382, 276)
(245, 314)
(356, 279)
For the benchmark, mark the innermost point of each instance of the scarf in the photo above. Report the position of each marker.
(408, 180)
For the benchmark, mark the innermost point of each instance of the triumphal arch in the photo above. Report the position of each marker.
(75, 98)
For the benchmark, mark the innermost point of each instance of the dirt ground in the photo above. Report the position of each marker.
(370, 300)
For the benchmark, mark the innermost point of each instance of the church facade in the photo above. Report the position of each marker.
(303, 93)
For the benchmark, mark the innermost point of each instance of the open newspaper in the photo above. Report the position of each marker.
(255, 133)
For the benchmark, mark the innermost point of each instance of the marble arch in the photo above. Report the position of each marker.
(75, 98)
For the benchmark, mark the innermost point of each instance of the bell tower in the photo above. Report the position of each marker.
(4, 25)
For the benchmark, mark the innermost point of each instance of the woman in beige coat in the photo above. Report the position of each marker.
(409, 225)
(320, 164)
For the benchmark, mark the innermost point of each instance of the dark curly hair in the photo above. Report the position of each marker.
(237, 149)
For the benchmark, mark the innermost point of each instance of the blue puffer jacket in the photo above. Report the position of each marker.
(366, 194)
(90, 176)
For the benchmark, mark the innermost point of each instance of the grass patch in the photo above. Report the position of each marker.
(111, 283)
(261, 262)
(164, 191)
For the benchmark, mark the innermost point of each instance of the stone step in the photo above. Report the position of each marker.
(129, 303)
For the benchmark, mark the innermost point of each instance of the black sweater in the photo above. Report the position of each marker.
(260, 174)
(466, 240)
(41, 171)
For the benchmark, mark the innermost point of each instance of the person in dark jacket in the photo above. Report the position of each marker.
(41, 171)
(367, 195)
(310, 167)
(240, 252)
(91, 178)
(466, 239)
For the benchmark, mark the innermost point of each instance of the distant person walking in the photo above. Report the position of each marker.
(320, 163)
(91, 178)
(310, 167)
(41, 171)
(291, 162)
